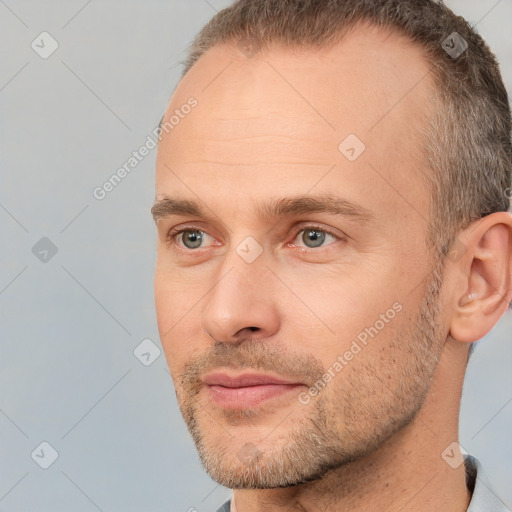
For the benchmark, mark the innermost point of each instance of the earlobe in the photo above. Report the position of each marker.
(486, 269)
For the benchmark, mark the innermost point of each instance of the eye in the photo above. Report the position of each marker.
(191, 237)
(315, 236)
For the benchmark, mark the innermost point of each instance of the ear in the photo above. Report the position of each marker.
(484, 273)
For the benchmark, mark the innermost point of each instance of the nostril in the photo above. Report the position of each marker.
(243, 332)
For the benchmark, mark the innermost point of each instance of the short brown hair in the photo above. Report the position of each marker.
(468, 133)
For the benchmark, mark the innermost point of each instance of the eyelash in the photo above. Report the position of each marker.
(173, 234)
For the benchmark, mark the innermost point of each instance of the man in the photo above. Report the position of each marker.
(333, 235)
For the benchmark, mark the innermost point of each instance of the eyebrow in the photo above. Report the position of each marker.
(273, 208)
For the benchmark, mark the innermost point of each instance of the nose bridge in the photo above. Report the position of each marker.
(241, 296)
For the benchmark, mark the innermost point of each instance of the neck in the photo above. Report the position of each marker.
(407, 473)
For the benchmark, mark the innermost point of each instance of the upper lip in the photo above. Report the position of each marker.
(243, 380)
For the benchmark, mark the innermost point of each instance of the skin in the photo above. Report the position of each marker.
(268, 126)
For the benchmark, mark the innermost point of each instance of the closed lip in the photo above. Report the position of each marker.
(245, 380)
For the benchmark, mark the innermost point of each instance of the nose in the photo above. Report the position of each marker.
(242, 303)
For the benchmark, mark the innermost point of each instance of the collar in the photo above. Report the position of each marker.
(483, 497)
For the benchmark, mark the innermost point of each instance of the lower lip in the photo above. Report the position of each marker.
(249, 396)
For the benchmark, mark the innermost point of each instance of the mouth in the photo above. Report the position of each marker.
(247, 390)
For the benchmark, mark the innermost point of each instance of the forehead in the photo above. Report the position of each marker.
(288, 114)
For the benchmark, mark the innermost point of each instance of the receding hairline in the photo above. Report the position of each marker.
(338, 37)
(335, 35)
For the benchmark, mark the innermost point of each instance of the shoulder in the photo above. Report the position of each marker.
(484, 497)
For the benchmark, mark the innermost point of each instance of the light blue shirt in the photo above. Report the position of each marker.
(483, 499)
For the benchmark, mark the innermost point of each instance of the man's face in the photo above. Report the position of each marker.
(302, 340)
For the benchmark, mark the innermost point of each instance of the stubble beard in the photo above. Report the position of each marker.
(319, 442)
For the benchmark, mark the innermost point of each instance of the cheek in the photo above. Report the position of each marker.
(178, 309)
(172, 296)
(172, 330)
(341, 307)
(164, 304)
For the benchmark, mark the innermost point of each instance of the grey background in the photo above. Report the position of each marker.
(69, 326)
